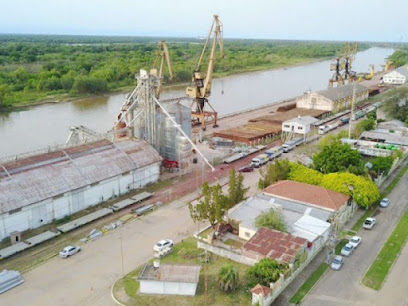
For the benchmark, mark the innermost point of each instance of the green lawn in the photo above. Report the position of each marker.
(340, 245)
(126, 289)
(382, 264)
(308, 284)
(234, 243)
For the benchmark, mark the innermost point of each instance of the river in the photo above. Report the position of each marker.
(47, 125)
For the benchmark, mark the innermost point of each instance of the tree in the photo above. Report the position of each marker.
(265, 272)
(331, 138)
(382, 164)
(236, 189)
(364, 191)
(272, 219)
(228, 278)
(212, 207)
(300, 173)
(337, 158)
(277, 171)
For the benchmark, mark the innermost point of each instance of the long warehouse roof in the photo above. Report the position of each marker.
(40, 177)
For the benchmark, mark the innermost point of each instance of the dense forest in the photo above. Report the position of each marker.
(39, 67)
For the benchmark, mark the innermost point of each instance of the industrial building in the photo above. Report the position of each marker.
(398, 76)
(333, 99)
(39, 189)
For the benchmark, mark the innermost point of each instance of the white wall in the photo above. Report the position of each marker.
(394, 77)
(296, 127)
(46, 211)
(245, 233)
(172, 288)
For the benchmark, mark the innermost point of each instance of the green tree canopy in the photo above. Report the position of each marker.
(364, 191)
(211, 207)
(301, 173)
(277, 171)
(236, 189)
(337, 158)
(272, 219)
(382, 164)
(331, 138)
(265, 271)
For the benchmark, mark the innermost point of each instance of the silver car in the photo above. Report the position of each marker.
(69, 251)
(355, 241)
(347, 250)
(384, 203)
(162, 244)
(337, 263)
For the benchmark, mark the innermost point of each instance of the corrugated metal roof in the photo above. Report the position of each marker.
(342, 92)
(44, 176)
(305, 120)
(403, 70)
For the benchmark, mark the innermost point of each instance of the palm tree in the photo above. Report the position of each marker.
(228, 278)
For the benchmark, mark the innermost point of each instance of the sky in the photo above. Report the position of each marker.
(347, 20)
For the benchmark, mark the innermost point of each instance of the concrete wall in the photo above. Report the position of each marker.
(394, 77)
(172, 288)
(245, 233)
(46, 211)
(313, 100)
(227, 252)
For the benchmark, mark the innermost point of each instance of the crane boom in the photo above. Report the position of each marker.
(200, 87)
(163, 56)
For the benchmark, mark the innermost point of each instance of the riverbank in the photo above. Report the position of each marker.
(67, 97)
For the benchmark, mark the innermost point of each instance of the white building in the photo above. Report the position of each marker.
(172, 279)
(299, 125)
(398, 76)
(40, 189)
(332, 99)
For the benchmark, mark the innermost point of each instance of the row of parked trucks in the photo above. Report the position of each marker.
(274, 152)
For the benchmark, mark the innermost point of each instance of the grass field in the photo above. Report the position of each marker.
(382, 264)
(126, 289)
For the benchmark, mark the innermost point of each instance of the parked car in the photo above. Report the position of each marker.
(69, 251)
(162, 244)
(337, 263)
(369, 223)
(347, 250)
(246, 169)
(384, 202)
(355, 241)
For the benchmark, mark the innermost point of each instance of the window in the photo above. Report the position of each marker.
(14, 211)
(300, 127)
(247, 234)
(286, 126)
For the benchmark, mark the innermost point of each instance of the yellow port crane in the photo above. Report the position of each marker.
(200, 87)
(162, 56)
(350, 55)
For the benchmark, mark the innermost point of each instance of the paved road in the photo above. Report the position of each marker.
(86, 278)
(344, 288)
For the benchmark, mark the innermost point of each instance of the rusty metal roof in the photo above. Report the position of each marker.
(40, 177)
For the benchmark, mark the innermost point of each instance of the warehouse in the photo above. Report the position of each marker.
(333, 99)
(40, 189)
(398, 76)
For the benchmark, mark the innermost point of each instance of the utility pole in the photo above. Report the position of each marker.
(352, 110)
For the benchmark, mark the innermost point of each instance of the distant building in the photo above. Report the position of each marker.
(39, 189)
(171, 279)
(299, 125)
(333, 99)
(398, 76)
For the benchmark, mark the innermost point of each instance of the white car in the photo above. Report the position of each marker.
(355, 241)
(369, 223)
(384, 203)
(337, 263)
(162, 244)
(69, 250)
(347, 250)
